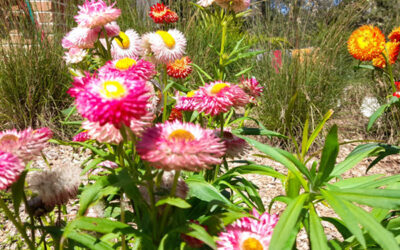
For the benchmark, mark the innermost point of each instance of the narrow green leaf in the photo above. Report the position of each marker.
(239, 193)
(340, 226)
(200, 233)
(286, 224)
(257, 131)
(243, 71)
(204, 191)
(252, 169)
(376, 115)
(388, 150)
(174, 201)
(346, 215)
(317, 234)
(102, 225)
(304, 140)
(318, 129)
(292, 186)
(89, 241)
(199, 69)
(329, 155)
(92, 165)
(383, 237)
(280, 198)
(91, 194)
(356, 181)
(17, 189)
(383, 198)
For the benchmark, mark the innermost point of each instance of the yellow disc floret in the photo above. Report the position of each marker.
(366, 43)
(191, 93)
(125, 63)
(124, 44)
(113, 90)
(252, 244)
(181, 135)
(167, 38)
(8, 138)
(218, 87)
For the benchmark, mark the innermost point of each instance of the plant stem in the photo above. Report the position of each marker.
(30, 216)
(122, 205)
(246, 114)
(165, 92)
(18, 225)
(172, 194)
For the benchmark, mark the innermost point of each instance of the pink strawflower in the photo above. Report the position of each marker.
(94, 14)
(111, 98)
(205, 3)
(10, 169)
(132, 68)
(251, 86)
(165, 46)
(81, 137)
(249, 233)
(218, 97)
(130, 46)
(186, 103)
(80, 37)
(108, 133)
(235, 146)
(112, 29)
(276, 60)
(180, 146)
(25, 144)
(235, 5)
(74, 55)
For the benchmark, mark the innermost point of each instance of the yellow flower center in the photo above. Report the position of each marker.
(362, 42)
(124, 44)
(167, 38)
(252, 244)
(9, 138)
(181, 135)
(113, 90)
(218, 87)
(125, 63)
(190, 93)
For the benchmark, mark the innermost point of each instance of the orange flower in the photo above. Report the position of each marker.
(391, 52)
(395, 35)
(180, 68)
(158, 12)
(366, 43)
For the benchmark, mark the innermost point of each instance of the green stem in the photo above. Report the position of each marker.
(19, 227)
(122, 205)
(30, 216)
(165, 92)
(172, 194)
(246, 114)
(221, 54)
(108, 44)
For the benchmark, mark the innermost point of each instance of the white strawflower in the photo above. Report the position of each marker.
(368, 106)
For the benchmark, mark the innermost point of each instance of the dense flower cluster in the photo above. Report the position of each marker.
(366, 43)
(162, 14)
(180, 68)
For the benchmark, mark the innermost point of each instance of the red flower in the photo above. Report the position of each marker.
(175, 115)
(180, 68)
(162, 14)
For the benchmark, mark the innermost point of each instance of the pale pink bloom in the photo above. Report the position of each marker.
(133, 68)
(112, 29)
(218, 97)
(81, 137)
(249, 233)
(80, 37)
(111, 98)
(165, 46)
(74, 55)
(10, 169)
(180, 146)
(108, 133)
(102, 167)
(94, 14)
(57, 185)
(131, 45)
(108, 164)
(235, 146)
(205, 3)
(235, 5)
(25, 144)
(251, 86)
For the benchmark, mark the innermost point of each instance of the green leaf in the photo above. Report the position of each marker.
(239, 193)
(383, 237)
(379, 182)
(280, 198)
(204, 191)
(287, 222)
(304, 140)
(292, 186)
(92, 165)
(376, 115)
(362, 66)
(89, 241)
(347, 216)
(257, 131)
(356, 156)
(17, 191)
(243, 71)
(328, 158)
(200, 233)
(383, 198)
(317, 234)
(251, 169)
(340, 226)
(102, 225)
(318, 129)
(356, 181)
(174, 201)
(388, 150)
(92, 194)
(199, 69)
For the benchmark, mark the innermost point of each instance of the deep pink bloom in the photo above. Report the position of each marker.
(81, 137)
(96, 14)
(185, 103)
(25, 144)
(218, 97)
(180, 146)
(251, 86)
(111, 98)
(249, 233)
(80, 37)
(112, 29)
(10, 169)
(277, 60)
(132, 68)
